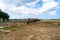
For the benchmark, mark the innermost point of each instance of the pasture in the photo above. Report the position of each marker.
(41, 30)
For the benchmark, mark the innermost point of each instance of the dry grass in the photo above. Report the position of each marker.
(35, 31)
(58, 21)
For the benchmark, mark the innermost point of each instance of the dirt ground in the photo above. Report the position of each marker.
(37, 31)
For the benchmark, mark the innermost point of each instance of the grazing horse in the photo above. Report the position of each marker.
(32, 20)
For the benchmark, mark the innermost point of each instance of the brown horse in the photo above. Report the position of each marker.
(32, 20)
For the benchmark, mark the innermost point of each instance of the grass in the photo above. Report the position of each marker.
(13, 27)
(58, 21)
(23, 25)
(1, 22)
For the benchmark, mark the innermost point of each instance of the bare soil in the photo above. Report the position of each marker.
(36, 31)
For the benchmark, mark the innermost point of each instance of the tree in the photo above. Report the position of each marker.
(4, 16)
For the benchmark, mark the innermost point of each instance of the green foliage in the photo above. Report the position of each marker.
(14, 27)
(4, 16)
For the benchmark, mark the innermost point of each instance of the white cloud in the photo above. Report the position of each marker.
(18, 2)
(32, 4)
(52, 13)
(24, 10)
(49, 4)
(2, 5)
(46, 7)
(5, 6)
(47, 0)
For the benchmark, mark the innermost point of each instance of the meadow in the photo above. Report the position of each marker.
(41, 30)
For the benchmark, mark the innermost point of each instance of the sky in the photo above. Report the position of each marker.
(21, 9)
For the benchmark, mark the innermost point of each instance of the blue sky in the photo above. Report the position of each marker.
(21, 9)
